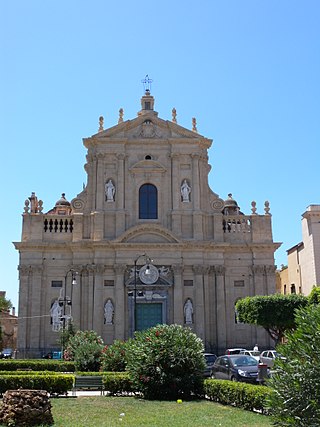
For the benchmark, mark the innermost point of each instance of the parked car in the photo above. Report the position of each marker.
(269, 356)
(210, 359)
(236, 367)
(7, 353)
(235, 350)
(252, 353)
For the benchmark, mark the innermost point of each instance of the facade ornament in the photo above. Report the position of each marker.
(267, 207)
(253, 207)
(101, 120)
(110, 191)
(258, 270)
(188, 312)
(185, 191)
(194, 124)
(56, 314)
(40, 206)
(163, 271)
(174, 115)
(120, 115)
(219, 270)
(33, 203)
(26, 206)
(177, 268)
(108, 312)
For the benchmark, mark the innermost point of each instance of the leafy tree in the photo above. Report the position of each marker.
(5, 305)
(275, 313)
(166, 362)
(296, 380)
(314, 297)
(66, 335)
(85, 349)
(113, 357)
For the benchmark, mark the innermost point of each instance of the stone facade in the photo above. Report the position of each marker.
(147, 193)
(303, 270)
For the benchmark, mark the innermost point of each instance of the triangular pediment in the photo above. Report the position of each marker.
(147, 233)
(148, 126)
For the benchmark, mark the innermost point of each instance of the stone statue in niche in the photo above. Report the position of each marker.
(185, 191)
(56, 313)
(188, 311)
(108, 312)
(110, 191)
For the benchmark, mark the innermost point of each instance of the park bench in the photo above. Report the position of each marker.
(88, 382)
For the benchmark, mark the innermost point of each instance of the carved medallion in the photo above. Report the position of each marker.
(148, 274)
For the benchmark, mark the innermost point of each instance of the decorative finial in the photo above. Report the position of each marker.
(120, 115)
(194, 124)
(254, 209)
(266, 207)
(26, 206)
(174, 115)
(40, 206)
(101, 120)
(147, 84)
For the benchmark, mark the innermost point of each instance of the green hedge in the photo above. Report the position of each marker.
(55, 384)
(37, 365)
(117, 383)
(242, 395)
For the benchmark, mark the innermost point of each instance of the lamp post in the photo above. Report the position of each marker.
(66, 301)
(147, 271)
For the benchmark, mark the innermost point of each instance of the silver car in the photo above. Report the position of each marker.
(268, 357)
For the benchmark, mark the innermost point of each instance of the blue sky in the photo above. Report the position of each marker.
(247, 70)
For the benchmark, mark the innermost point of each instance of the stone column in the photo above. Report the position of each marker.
(119, 197)
(25, 273)
(100, 194)
(271, 279)
(178, 316)
(98, 308)
(84, 297)
(195, 194)
(175, 191)
(258, 280)
(35, 304)
(221, 325)
(120, 315)
(199, 271)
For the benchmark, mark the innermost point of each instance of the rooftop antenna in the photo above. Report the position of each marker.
(147, 84)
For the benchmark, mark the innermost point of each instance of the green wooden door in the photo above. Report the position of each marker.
(148, 315)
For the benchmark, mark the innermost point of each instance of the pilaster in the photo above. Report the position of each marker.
(178, 294)
(120, 298)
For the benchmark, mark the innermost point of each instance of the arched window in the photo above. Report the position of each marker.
(148, 202)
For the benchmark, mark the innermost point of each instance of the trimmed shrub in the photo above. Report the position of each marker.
(55, 384)
(246, 396)
(37, 365)
(117, 383)
(166, 362)
(85, 349)
(296, 380)
(113, 357)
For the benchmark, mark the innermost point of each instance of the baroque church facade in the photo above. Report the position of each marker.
(146, 242)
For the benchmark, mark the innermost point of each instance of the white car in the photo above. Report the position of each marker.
(252, 353)
(268, 357)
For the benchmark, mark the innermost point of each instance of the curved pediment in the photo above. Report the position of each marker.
(147, 166)
(147, 233)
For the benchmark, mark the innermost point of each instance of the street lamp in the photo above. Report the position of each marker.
(65, 301)
(147, 272)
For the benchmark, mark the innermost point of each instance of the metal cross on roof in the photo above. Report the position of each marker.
(147, 83)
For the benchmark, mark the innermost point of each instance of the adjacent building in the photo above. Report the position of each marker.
(303, 270)
(147, 241)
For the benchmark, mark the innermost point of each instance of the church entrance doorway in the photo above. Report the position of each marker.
(148, 315)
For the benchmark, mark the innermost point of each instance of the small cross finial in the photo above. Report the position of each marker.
(174, 115)
(147, 84)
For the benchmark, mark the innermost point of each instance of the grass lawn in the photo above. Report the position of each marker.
(106, 411)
